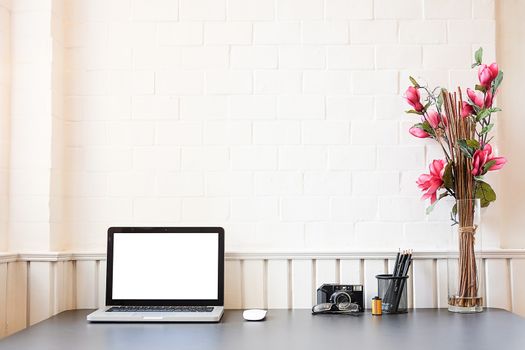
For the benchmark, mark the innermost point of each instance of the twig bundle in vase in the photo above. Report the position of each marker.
(461, 128)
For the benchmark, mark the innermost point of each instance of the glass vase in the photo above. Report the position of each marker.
(464, 277)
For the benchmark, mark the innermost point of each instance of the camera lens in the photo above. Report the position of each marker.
(340, 297)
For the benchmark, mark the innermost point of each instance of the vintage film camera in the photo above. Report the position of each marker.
(340, 297)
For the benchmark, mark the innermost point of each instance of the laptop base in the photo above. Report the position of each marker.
(101, 315)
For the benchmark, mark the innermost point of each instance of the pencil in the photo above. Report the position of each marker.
(402, 264)
(399, 291)
(397, 262)
(407, 267)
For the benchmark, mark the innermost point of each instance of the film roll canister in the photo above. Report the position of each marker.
(377, 307)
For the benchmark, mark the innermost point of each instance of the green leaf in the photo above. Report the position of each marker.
(414, 82)
(426, 126)
(486, 129)
(497, 81)
(494, 109)
(482, 114)
(488, 165)
(467, 151)
(440, 100)
(413, 111)
(427, 105)
(454, 214)
(481, 88)
(485, 193)
(474, 65)
(478, 56)
(473, 144)
(448, 179)
(431, 207)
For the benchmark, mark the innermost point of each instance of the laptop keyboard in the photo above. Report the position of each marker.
(160, 309)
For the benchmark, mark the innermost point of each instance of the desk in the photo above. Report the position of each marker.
(420, 329)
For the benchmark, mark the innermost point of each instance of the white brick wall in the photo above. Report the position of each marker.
(281, 120)
(5, 81)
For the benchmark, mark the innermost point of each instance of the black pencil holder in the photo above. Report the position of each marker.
(393, 291)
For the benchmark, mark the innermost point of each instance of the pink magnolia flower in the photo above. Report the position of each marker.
(418, 132)
(413, 98)
(486, 74)
(466, 109)
(476, 97)
(434, 118)
(433, 181)
(488, 99)
(483, 156)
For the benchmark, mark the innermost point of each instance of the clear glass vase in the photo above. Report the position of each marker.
(464, 278)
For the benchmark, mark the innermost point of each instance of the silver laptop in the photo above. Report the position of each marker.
(164, 274)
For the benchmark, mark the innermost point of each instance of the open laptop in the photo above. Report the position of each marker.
(164, 274)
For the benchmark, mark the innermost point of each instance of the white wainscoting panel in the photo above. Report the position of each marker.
(389, 265)
(33, 287)
(254, 284)
(517, 280)
(424, 280)
(41, 290)
(16, 308)
(64, 288)
(86, 279)
(441, 283)
(232, 284)
(372, 268)
(326, 271)
(101, 268)
(3, 299)
(351, 271)
(278, 284)
(59, 287)
(302, 283)
(498, 291)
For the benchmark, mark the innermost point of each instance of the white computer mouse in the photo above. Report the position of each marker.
(254, 314)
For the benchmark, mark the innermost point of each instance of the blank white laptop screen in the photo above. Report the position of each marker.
(165, 265)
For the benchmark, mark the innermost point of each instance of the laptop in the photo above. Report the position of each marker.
(163, 274)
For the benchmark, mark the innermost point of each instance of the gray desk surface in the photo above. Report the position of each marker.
(422, 329)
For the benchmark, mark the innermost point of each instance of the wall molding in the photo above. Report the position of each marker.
(273, 255)
(495, 253)
(8, 257)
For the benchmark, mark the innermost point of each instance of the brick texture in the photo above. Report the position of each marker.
(282, 120)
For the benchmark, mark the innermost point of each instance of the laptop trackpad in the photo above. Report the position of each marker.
(153, 318)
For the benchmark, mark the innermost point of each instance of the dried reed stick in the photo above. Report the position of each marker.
(460, 128)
